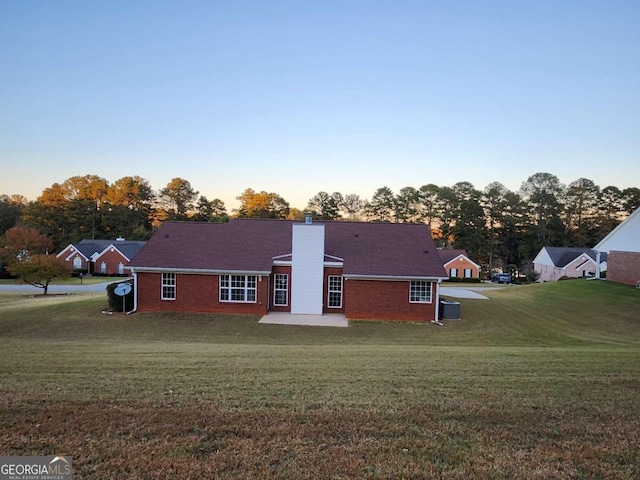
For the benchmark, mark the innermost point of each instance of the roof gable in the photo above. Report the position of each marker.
(126, 249)
(580, 261)
(543, 257)
(69, 251)
(451, 255)
(625, 237)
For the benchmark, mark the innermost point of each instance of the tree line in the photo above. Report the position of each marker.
(496, 226)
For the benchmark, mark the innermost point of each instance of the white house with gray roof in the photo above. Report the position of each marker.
(553, 263)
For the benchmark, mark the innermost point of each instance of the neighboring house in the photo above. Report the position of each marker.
(553, 263)
(361, 270)
(458, 264)
(622, 246)
(105, 257)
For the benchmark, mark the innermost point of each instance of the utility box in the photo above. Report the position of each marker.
(449, 310)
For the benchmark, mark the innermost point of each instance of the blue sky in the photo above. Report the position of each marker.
(297, 97)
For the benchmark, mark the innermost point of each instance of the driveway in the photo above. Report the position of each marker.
(467, 292)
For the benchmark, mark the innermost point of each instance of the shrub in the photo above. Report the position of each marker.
(79, 271)
(533, 276)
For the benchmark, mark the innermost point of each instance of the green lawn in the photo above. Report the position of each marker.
(540, 381)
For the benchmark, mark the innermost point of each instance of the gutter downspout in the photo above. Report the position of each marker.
(135, 293)
(436, 320)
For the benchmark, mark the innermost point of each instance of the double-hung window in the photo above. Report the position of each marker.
(77, 263)
(335, 292)
(280, 290)
(453, 272)
(420, 292)
(238, 288)
(467, 273)
(168, 286)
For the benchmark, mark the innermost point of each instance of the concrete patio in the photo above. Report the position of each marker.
(328, 320)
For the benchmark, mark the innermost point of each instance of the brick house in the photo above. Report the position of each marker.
(104, 257)
(457, 264)
(361, 270)
(553, 263)
(622, 246)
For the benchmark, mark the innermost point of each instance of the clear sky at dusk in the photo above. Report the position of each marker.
(295, 97)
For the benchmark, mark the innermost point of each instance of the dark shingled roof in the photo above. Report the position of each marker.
(89, 246)
(380, 249)
(129, 248)
(563, 256)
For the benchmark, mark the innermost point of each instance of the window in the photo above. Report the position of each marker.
(168, 286)
(238, 288)
(467, 273)
(103, 267)
(77, 263)
(420, 292)
(453, 272)
(280, 290)
(335, 291)
(121, 268)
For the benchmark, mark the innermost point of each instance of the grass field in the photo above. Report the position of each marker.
(540, 381)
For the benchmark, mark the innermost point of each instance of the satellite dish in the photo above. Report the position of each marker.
(122, 289)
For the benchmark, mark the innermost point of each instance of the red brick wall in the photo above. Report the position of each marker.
(623, 267)
(461, 264)
(112, 258)
(325, 290)
(195, 293)
(385, 300)
(362, 299)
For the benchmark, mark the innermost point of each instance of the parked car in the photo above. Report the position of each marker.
(501, 277)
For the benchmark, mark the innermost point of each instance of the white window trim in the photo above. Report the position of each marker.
(230, 288)
(453, 272)
(330, 291)
(77, 263)
(429, 289)
(469, 271)
(103, 267)
(120, 268)
(168, 284)
(276, 289)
